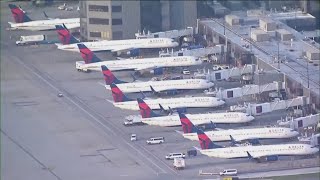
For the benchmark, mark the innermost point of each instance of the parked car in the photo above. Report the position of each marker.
(175, 155)
(133, 137)
(155, 140)
(186, 72)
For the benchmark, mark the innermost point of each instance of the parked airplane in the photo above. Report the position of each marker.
(129, 45)
(22, 21)
(123, 102)
(92, 62)
(152, 118)
(250, 134)
(169, 86)
(253, 152)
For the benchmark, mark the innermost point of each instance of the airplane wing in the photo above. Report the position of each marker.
(122, 48)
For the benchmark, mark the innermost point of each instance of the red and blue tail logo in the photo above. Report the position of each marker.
(87, 54)
(18, 14)
(187, 125)
(65, 36)
(118, 95)
(205, 142)
(145, 110)
(109, 77)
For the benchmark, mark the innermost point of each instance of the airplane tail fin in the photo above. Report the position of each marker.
(187, 125)
(109, 77)
(118, 95)
(18, 14)
(87, 54)
(64, 35)
(205, 141)
(145, 110)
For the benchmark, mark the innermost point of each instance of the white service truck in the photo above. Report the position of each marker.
(34, 39)
(132, 120)
(179, 163)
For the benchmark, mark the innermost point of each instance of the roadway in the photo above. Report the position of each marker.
(81, 136)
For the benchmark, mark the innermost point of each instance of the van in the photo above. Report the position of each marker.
(155, 140)
(229, 172)
(175, 155)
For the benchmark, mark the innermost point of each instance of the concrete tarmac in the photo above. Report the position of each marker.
(80, 135)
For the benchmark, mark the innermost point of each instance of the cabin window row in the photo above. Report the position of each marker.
(103, 21)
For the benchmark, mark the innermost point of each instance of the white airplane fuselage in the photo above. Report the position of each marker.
(180, 102)
(41, 25)
(122, 45)
(140, 64)
(181, 84)
(244, 134)
(260, 151)
(174, 120)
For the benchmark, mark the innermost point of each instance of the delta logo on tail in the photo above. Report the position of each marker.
(187, 125)
(145, 110)
(205, 142)
(87, 54)
(118, 95)
(109, 77)
(65, 36)
(18, 15)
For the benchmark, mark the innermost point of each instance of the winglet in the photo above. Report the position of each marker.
(153, 91)
(143, 95)
(233, 141)
(249, 155)
(133, 77)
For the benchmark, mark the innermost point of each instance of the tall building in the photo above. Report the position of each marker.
(109, 19)
(163, 15)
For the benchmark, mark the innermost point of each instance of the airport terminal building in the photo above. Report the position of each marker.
(122, 19)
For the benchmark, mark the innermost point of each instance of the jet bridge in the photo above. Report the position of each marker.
(225, 74)
(258, 109)
(247, 90)
(199, 52)
(166, 34)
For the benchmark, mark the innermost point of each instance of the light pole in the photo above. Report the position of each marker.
(278, 54)
(250, 39)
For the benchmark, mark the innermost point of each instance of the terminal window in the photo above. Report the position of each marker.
(229, 94)
(98, 21)
(95, 34)
(259, 109)
(116, 21)
(98, 8)
(116, 8)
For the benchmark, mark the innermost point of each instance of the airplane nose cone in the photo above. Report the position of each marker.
(295, 133)
(221, 102)
(250, 118)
